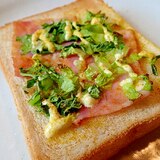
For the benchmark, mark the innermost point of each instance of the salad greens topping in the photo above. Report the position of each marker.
(60, 89)
(92, 37)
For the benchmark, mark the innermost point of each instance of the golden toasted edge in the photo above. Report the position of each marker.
(33, 145)
(107, 150)
(5, 64)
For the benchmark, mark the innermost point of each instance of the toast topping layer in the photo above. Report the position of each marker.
(81, 69)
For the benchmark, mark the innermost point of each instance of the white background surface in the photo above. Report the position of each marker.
(144, 15)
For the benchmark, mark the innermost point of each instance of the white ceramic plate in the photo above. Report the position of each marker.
(143, 15)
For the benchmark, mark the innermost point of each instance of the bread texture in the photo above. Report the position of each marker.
(96, 138)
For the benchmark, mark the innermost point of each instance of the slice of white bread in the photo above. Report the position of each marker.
(96, 138)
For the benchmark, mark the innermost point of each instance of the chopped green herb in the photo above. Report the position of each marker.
(91, 72)
(49, 83)
(148, 83)
(153, 66)
(94, 91)
(69, 50)
(30, 83)
(102, 79)
(130, 92)
(133, 58)
(35, 100)
(26, 42)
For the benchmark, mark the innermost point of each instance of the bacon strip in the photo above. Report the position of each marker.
(24, 61)
(20, 29)
(112, 99)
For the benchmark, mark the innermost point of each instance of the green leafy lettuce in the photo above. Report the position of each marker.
(148, 83)
(89, 16)
(59, 88)
(94, 91)
(56, 32)
(26, 42)
(130, 91)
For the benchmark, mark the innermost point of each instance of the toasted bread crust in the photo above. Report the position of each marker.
(93, 137)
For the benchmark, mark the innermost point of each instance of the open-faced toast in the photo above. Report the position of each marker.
(95, 138)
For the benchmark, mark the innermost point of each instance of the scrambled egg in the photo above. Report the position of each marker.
(87, 100)
(78, 34)
(146, 54)
(95, 21)
(40, 34)
(107, 35)
(57, 123)
(68, 30)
